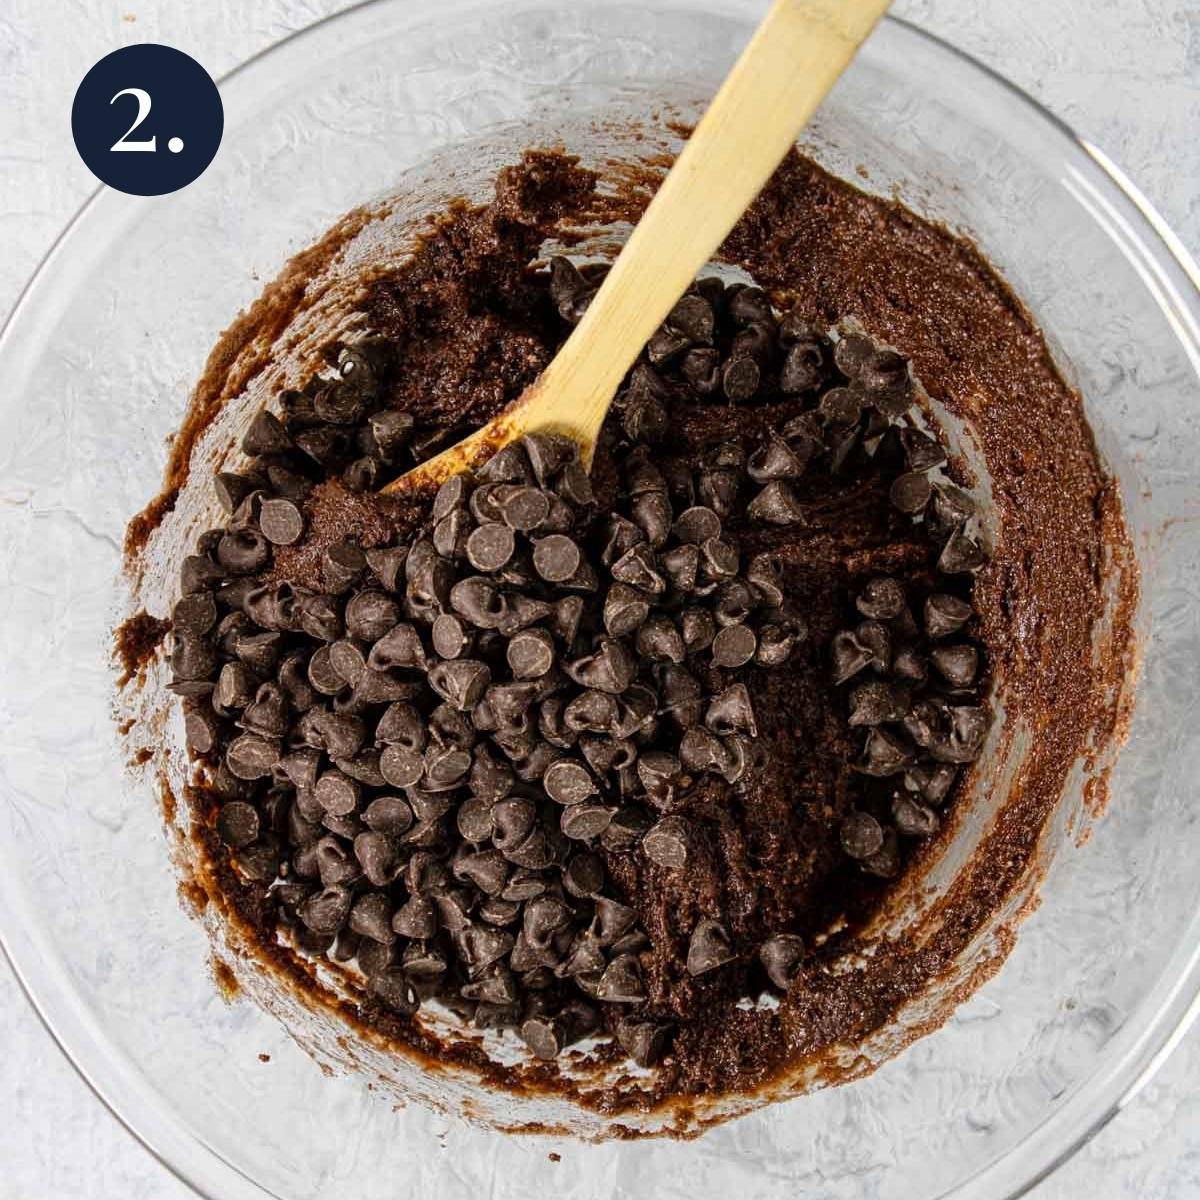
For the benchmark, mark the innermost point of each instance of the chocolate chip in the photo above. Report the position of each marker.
(251, 757)
(701, 367)
(877, 640)
(232, 489)
(243, 551)
(803, 368)
(881, 599)
(658, 640)
(735, 600)
(348, 660)
(645, 418)
(638, 568)
(556, 558)
(922, 452)
(933, 781)
(610, 669)
(909, 664)
(969, 726)
(776, 643)
(658, 770)
(957, 664)
(718, 490)
(490, 547)
(416, 918)
(371, 917)
(520, 612)
(708, 947)
(259, 651)
(451, 532)
(693, 317)
(548, 454)
(522, 508)
(652, 513)
(885, 862)
(337, 793)
(951, 505)
(621, 982)
(883, 371)
(644, 1041)
(961, 555)
(544, 1035)
(681, 566)
(568, 782)
(781, 956)
(479, 601)
(400, 766)
(377, 855)
(326, 911)
(613, 920)
(875, 702)
(740, 379)
(718, 560)
(747, 305)
(861, 835)
(913, 819)
(335, 865)
(450, 636)
(388, 564)
(774, 459)
(238, 824)
(625, 609)
(510, 464)
(734, 646)
(592, 711)
(731, 712)
(884, 754)
(530, 653)
(266, 435)
(486, 869)
(582, 822)
(370, 614)
(544, 917)
(281, 521)
(910, 492)
(583, 876)
(667, 843)
(235, 688)
(776, 504)
(394, 989)
(700, 750)
(444, 768)
(842, 406)
(268, 715)
(342, 565)
(945, 615)
(574, 486)
(391, 429)
(698, 629)
(193, 616)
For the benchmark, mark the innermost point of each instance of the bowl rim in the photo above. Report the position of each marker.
(1165, 264)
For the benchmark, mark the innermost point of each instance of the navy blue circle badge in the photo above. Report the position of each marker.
(147, 119)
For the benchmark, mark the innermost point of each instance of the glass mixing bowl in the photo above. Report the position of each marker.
(96, 366)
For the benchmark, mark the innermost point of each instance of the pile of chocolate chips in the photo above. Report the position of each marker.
(424, 759)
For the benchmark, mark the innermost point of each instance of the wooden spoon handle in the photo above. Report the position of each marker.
(793, 59)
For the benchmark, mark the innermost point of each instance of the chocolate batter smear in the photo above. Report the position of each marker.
(620, 757)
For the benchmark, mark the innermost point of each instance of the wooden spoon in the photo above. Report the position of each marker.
(794, 58)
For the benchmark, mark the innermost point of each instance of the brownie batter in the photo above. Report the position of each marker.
(473, 318)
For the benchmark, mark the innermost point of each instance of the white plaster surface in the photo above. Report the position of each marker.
(1125, 73)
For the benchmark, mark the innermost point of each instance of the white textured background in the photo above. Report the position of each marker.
(1125, 73)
